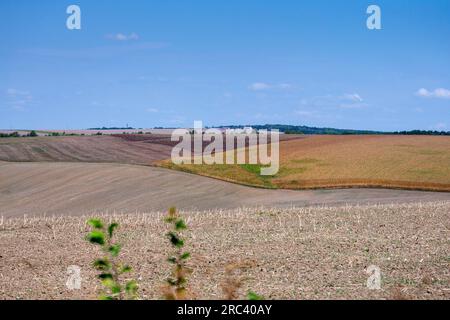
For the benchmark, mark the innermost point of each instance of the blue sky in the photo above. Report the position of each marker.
(168, 63)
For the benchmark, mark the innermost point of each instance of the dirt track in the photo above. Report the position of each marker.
(84, 188)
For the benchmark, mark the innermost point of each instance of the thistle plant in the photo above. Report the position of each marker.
(110, 269)
(176, 283)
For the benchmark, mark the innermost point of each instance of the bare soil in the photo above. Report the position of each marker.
(86, 188)
(297, 253)
(83, 188)
(99, 149)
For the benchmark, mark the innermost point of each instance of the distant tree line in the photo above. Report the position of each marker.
(423, 133)
(33, 133)
(16, 134)
(293, 129)
(112, 128)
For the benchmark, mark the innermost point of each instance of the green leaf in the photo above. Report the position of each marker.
(125, 269)
(111, 228)
(170, 220)
(108, 282)
(131, 287)
(114, 250)
(105, 297)
(175, 240)
(102, 264)
(105, 276)
(172, 260)
(116, 289)
(96, 237)
(185, 256)
(95, 223)
(180, 225)
(253, 296)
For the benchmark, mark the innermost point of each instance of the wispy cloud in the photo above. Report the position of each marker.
(123, 37)
(152, 110)
(19, 99)
(352, 101)
(261, 86)
(436, 93)
(352, 97)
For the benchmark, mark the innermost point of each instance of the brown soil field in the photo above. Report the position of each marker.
(297, 253)
(101, 149)
(86, 188)
(381, 161)
(143, 149)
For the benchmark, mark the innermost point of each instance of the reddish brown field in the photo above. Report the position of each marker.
(99, 149)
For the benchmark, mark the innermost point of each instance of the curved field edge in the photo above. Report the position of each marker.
(392, 162)
(310, 184)
(312, 162)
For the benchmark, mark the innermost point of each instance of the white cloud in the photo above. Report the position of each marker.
(261, 86)
(284, 86)
(352, 101)
(352, 97)
(123, 37)
(152, 110)
(436, 93)
(258, 86)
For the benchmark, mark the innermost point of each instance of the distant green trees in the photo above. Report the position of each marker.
(16, 134)
(10, 135)
(298, 129)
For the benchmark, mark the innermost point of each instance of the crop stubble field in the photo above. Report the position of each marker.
(297, 253)
(405, 162)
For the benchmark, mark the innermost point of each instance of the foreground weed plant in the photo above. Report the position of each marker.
(110, 269)
(233, 281)
(176, 283)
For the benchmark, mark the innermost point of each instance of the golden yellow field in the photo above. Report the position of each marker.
(408, 162)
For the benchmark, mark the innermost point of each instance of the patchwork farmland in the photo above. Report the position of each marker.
(328, 235)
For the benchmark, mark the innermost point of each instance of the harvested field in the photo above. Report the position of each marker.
(297, 253)
(144, 149)
(101, 149)
(406, 162)
(84, 188)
